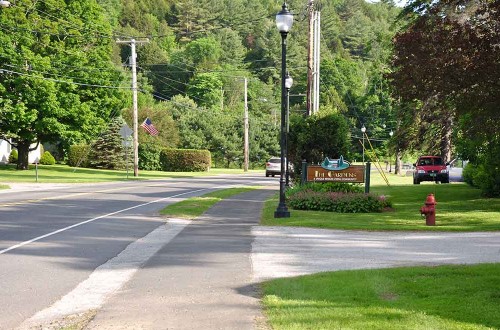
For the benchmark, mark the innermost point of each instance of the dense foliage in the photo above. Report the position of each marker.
(185, 160)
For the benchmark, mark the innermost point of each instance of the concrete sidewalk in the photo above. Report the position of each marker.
(202, 279)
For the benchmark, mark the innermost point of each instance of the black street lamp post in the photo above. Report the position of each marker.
(284, 22)
(288, 85)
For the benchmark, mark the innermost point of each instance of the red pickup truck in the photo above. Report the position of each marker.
(431, 168)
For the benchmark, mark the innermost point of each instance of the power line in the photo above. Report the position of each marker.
(62, 81)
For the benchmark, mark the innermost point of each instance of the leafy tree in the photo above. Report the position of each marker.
(206, 89)
(48, 83)
(319, 136)
(446, 59)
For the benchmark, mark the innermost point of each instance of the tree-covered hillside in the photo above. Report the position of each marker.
(191, 71)
(201, 50)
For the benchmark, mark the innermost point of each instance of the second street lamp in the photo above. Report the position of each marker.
(288, 85)
(284, 22)
(363, 130)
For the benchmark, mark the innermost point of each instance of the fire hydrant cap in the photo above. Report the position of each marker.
(430, 199)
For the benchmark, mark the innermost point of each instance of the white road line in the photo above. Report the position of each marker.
(108, 278)
(94, 219)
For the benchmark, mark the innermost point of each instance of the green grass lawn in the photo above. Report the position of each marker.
(459, 208)
(195, 206)
(67, 174)
(445, 297)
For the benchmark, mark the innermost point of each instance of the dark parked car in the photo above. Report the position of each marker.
(431, 168)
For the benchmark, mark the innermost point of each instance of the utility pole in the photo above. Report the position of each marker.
(317, 33)
(313, 59)
(133, 64)
(245, 120)
(310, 57)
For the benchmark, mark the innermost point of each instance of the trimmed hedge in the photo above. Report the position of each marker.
(47, 159)
(78, 155)
(185, 160)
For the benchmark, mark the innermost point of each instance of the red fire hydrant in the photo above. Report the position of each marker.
(429, 210)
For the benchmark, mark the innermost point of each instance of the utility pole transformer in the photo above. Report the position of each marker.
(133, 64)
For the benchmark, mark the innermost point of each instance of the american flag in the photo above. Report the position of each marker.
(148, 126)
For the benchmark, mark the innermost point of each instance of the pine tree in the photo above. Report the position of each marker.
(108, 151)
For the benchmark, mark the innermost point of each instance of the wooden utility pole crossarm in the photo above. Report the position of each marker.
(133, 64)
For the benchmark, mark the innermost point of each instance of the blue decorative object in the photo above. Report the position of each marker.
(335, 164)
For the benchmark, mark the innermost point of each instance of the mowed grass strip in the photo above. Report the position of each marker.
(445, 297)
(195, 206)
(459, 208)
(67, 174)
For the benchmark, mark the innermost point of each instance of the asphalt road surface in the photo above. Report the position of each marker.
(51, 240)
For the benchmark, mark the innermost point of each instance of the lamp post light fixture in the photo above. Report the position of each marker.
(363, 130)
(284, 22)
(391, 133)
(288, 85)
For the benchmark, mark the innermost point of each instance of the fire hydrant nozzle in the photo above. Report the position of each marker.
(429, 210)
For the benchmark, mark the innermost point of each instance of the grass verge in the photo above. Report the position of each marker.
(195, 206)
(459, 208)
(67, 174)
(445, 297)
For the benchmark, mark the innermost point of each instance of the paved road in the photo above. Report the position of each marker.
(52, 240)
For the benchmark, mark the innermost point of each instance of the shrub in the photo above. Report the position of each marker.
(13, 156)
(185, 160)
(78, 155)
(468, 173)
(327, 187)
(484, 177)
(337, 202)
(149, 157)
(47, 159)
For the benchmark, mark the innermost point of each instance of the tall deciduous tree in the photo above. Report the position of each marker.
(448, 59)
(52, 68)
